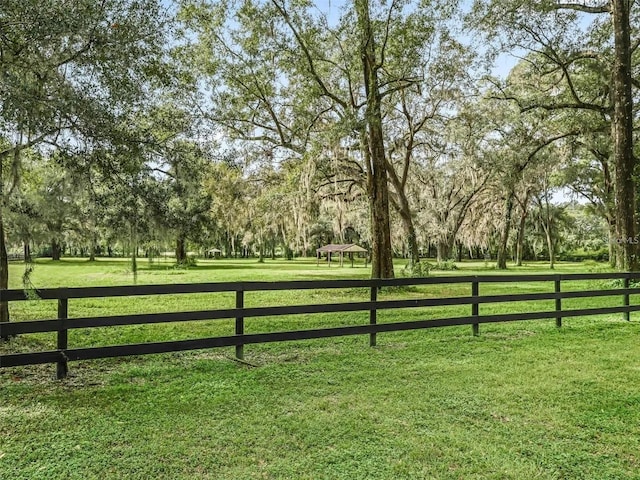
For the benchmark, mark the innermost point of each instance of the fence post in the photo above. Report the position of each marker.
(475, 310)
(558, 301)
(62, 367)
(240, 323)
(373, 317)
(627, 317)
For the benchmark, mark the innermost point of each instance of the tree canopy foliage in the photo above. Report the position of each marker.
(271, 127)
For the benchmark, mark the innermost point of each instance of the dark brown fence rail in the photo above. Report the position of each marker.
(63, 354)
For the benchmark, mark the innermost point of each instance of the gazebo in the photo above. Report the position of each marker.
(340, 249)
(213, 253)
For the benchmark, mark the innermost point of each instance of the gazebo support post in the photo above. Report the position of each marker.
(341, 249)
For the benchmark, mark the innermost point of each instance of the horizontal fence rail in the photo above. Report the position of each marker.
(61, 325)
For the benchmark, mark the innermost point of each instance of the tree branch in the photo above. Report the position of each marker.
(604, 8)
(34, 141)
(307, 54)
(386, 36)
(560, 106)
(403, 84)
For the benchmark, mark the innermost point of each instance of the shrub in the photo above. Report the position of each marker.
(580, 255)
(447, 265)
(189, 261)
(417, 270)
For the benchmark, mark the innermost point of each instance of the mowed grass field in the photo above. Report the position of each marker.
(523, 400)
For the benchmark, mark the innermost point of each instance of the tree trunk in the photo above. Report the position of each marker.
(181, 252)
(94, 247)
(501, 263)
(520, 238)
(623, 136)
(4, 260)
(26, 249)
(382, 258)
(133, 231)
(410, 232)
(550, 248)
(400, 203)
(134, 265)
(4, 269)
(56, 249)
(451, 245)
(442, 251)
(613, 247)
(227, 246)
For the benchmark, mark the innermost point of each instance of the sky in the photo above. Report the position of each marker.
(504, 63)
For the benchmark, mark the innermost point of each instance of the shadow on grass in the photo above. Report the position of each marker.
(237, 264)
(83, 262)
(162, 264)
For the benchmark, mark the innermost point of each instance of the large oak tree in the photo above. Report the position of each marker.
(71, 75)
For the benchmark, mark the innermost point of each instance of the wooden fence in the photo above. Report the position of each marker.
(61, 325)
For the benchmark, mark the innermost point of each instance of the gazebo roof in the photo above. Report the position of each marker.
(338, 247)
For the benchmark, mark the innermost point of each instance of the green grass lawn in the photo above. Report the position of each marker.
(523, 400)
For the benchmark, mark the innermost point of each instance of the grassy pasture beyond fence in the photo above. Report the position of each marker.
(521, 400)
